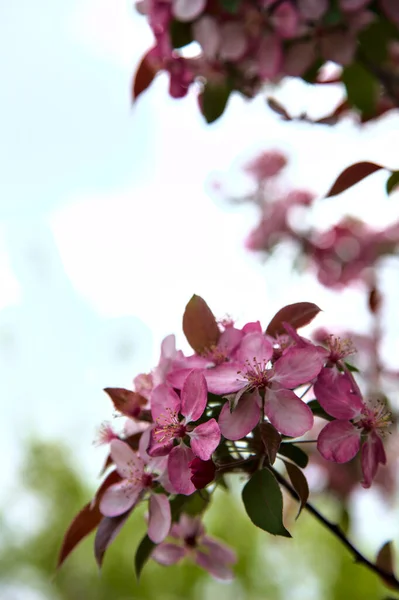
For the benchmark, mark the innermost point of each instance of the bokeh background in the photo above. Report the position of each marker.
(111, 217)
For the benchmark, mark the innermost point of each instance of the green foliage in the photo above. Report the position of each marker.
(296, 454)
(392, 182)
(263, 502)
(214, 100)
(313, 557)
(361, 88)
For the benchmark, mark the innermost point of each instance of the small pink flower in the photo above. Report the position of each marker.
(267, 164)
(340, 440)
(251, 373)
(166, 406)
(188, 539)
(138, 477)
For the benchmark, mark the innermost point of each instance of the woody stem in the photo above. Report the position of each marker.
(388, 578)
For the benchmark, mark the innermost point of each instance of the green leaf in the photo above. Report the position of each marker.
(299, 483)
(230, 6)
(392, 182)
(333, 16)
(318, 411)
(310, 75)
(197, 503)
(351, 368)
(297, 455)
(263, 502)
(180, 34)
(361, 88)
(213, 100)
(374, 39)
(143, 553)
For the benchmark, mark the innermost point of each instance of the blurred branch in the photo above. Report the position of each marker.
(388, 578)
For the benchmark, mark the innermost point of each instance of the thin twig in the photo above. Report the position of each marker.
(389, 578)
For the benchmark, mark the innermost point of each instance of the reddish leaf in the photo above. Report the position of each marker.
(271, 439)
(278, 108)
(297, 315)
(299, 483)
(199, 325)
(86, 520)
(143, 76)
(125, 401)
(385, 559)
(106, 533)
(351, 176)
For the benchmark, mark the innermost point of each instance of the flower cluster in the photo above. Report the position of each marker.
(234, 405)
(338, 255)
(244, 44)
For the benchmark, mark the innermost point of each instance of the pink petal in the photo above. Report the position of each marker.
(168, 554)
(373, 454)
(218, 551)
(270, 57)
(205, 439)
(194, 396)
(125, 459)
(168, 347)
(339, 441)
(312, 9)
(299, 57)
(391, 10)
(229, 340)
(156, 448)
(255, 346)
(206, 33)
(233, 41)
(118, 498)
(179, 470)
(285, 20)
(225, 378)
(188, 10)
(237, 424)
(163, 401)
(353, 5)
(254, 327)
(177, 377)
(190, 527)
(216, 569)
(160, 519)
(333, 390)
(288, 413)
(297, 366)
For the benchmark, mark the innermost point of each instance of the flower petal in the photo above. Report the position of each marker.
(163, 401)
(179, 470)
(125, 459)
(339, 441)
(288, 413)
(188, 10)
(194, 396)
(237, 424)
(373, 454)
(177, 377)
(334, 392)
(217, 569)
(160, 519)
(168, 554)
(118, 498)
(156, 448)
(297, 366)
(255, 346)
(205, 439)
(218, 551)
(225, 378)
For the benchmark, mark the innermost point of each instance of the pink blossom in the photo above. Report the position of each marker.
(341, 439)
(267, 164)
(138, 477)
(188, 539)
(250, 373)
(166, 406)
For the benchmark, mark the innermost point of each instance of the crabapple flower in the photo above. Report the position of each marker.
(251, 373)
(341, 439)
(188, 539)
(166, 406)
(137, 478)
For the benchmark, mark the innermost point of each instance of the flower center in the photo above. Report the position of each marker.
(168, 427)
(375, 416)
(190, 541)
(257, 374)
(216, 355)
(339, 349)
